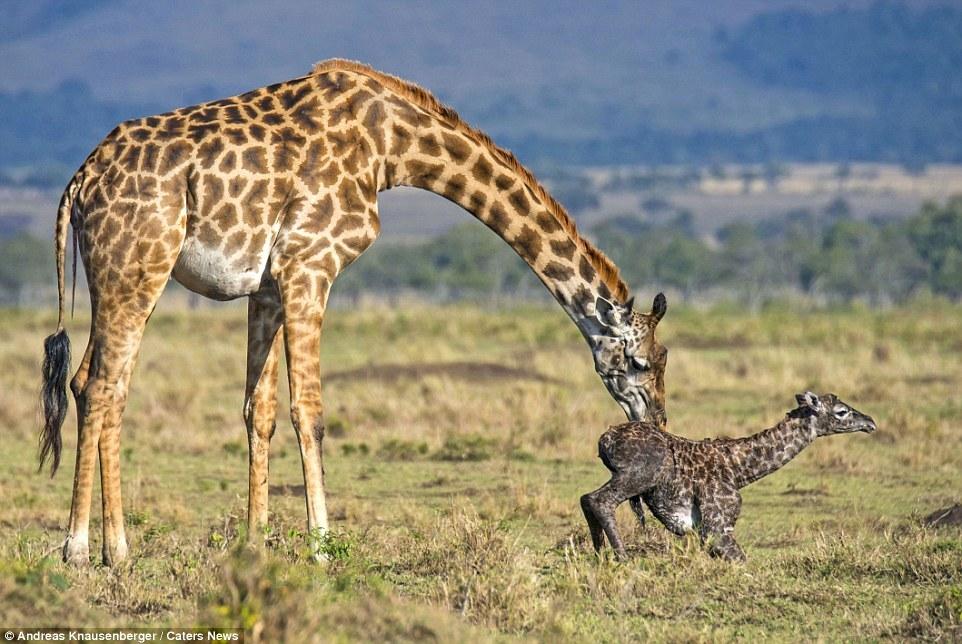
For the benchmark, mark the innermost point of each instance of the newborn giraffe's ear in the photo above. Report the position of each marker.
(809, 400)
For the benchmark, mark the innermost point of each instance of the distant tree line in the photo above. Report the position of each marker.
(26, 270)
(826, 255)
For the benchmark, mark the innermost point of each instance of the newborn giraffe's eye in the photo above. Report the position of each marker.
(841, 413)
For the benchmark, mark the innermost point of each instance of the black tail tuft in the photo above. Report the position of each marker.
(53, 397)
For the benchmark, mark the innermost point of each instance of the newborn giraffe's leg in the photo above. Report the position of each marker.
(722, 544)
(594, 525)
(638, 508)
(719, 512)
(602, 504)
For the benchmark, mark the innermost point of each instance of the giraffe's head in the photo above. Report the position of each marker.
(829, 415)
(629, 358)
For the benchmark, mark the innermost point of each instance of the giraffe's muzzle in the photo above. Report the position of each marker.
(632, 398)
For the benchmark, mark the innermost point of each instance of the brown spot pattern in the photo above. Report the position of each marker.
(528, 244)
(585, 269)
(564, 248)
(558, 271)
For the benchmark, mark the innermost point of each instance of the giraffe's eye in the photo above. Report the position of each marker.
(639, 363)
(841, 412)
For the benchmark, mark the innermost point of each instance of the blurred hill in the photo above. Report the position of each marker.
(748, 147)
(559, 82)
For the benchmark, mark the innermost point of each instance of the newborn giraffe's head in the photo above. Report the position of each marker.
(829, 415)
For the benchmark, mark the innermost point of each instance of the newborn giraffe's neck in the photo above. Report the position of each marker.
(759, 455)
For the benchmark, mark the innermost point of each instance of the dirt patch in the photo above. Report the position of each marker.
(950, 516)
(47, 525)
(470, 371)
(286, 489)
(793, 490)
(930, 379)
(436, 482)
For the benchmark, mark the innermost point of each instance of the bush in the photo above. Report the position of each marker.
(465, 448)
(401, 450)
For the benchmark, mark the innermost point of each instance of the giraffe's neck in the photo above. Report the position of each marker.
(464, 166)
(761, 454)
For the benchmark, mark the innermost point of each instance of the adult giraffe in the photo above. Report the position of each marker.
(269, 195)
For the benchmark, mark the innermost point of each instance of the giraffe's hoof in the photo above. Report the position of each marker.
(320, 558)
(76, 552)
(319, 542)
(114, 555)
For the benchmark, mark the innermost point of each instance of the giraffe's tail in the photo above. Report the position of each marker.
(56, 347)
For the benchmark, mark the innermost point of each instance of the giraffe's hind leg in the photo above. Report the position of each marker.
(126, 274)
(601, 504)
(115, 538)
(264, 322)
(101, 392)
(594, 525)
(76, 548)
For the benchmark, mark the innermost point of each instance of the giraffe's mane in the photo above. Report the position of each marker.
(607, 271)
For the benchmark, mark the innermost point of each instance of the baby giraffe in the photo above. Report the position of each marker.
(694, 484)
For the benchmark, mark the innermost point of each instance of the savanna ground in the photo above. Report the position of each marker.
(458, 444)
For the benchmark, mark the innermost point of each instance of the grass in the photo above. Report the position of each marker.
(460, 442)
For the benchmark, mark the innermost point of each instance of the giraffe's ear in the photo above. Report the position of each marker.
(809, 400)
(659, 306)
(611, 314)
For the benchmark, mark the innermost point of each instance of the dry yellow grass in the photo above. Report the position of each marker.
(453, 490)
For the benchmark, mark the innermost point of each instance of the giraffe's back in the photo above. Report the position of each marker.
(285, 163)
(636, 445)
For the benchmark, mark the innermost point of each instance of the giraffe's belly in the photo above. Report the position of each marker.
(680, 520)
(675, 510)
(214, 274)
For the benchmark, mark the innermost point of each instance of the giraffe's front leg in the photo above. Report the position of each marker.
(724, 546)
(304, 296)
(264, 321)
(719, 512)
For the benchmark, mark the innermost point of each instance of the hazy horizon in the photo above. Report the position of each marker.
(617, 82)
